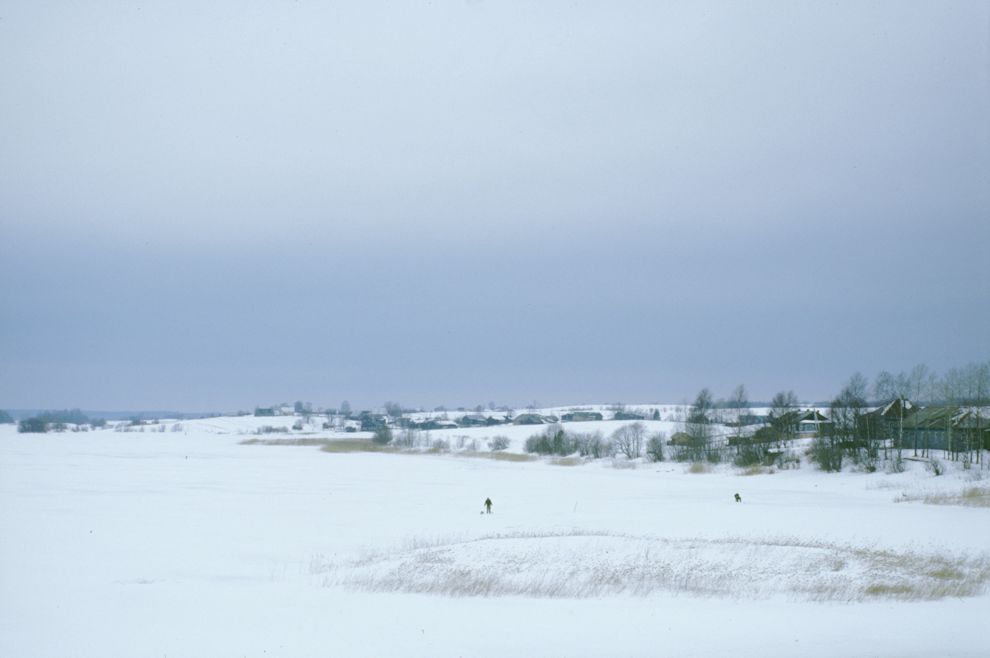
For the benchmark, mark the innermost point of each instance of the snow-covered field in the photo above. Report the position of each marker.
(190, 543)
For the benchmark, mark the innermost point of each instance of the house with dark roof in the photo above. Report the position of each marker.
(581, 417)
(533, 419)
(810, 422)
(930, 428)
(478, 420)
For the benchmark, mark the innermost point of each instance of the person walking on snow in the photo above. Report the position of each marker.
(488, 505)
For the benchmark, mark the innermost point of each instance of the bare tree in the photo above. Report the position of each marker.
(888, 388)
(739, 403)
(783, 415)
(970, 388)
(920, 383)
(953, 389)
(628, 439)
(847, 432)
(393, 409)
(698, 427)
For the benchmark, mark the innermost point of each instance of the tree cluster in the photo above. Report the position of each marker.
(628, 441)
(56, 421)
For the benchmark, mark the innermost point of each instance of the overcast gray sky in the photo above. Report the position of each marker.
(218, 205)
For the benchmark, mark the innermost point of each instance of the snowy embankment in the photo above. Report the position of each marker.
(188, 543)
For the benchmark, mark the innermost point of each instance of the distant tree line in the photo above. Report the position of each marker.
(871, 426)
(57, 421)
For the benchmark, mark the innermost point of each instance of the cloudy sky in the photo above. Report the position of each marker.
(218, 205)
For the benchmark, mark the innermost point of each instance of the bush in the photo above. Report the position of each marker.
(654, 447)
(497, 443)
(5, 418)
(383, 435)
(411, 438)
(786, 461)
(552, 441)
(753, 454)
(34, 425)
(264, 429)
(827, 452)
(593, 445)
(935, 467)
(464, 443)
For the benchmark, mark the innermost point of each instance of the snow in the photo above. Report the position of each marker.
(189, 543)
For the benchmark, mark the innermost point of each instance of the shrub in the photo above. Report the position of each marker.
(34, 425)
(593, 445)
(786, 461)
(552, 441)
(749, 453)
(654, 447)
(827, 452)
(264, 429)
(497, 443)
(411, 438)
(383, 436)
(935, 467)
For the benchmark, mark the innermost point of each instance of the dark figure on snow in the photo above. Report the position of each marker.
(738, 498)
(488, 505)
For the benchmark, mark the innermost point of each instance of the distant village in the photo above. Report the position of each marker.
(898, 424)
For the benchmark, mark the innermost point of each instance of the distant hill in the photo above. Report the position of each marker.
(19, 414)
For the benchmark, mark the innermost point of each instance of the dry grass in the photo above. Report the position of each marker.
(497, 456)
(326, 445)
(581, 564)
(757, 470)
(946, 572)
(699, 467)
(976, 496)
(356, 445)
(286, 442)
(567, 461)
(968, 497)
(884, 591)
